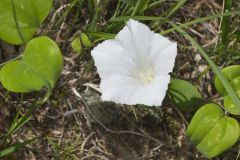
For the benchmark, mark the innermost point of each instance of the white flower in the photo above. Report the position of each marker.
(134, 67)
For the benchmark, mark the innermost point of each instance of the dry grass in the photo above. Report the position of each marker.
(75, 124)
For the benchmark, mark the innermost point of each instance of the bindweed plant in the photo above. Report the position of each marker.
(38, 66)
(21, 19)
(135, 62)
(212, 130)
(144, 75)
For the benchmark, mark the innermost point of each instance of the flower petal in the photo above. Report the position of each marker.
(136, 37)
(126, 90)
(110, 58)
(163, 56)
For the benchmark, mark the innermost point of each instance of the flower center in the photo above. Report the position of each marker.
(146, 77)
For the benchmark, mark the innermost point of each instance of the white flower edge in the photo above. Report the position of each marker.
(134, 67)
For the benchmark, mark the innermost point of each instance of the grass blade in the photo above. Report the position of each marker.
(178, 5)
(102, 35)
(139, 18)
(148, 18)
(94, 13)
(117, 10)
(139, 7)
(156, 3)
(15, 147)
(19, 122)
(214, 67)
(200, 20)
(225, 25)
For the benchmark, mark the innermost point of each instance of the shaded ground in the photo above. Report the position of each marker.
(74, 124)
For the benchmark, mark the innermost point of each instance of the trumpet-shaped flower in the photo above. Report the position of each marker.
(134, 67)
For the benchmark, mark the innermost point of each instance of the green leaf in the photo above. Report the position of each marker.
(20, 19)
(209, 113)
(212, 131)
(229, 105)
(85, 40)
(229, 73)
(184, 95)
(40, 66)
(76, 45)
(235, 83)
(232, 75)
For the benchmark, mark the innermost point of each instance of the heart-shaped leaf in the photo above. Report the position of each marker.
(212, 131)
(232, 74)
(235, 83)
(40, 66)
(230, 106)
(229, 73)
(184, 95)
(20, 19)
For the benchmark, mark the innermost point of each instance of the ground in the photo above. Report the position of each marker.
(75, 124)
